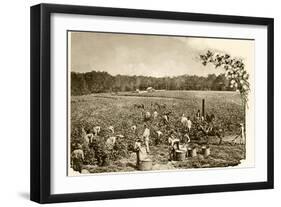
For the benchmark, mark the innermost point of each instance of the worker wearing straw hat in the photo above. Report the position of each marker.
(77, 158)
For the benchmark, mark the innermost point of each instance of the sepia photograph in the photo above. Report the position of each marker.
(146, 102)
(133, 103)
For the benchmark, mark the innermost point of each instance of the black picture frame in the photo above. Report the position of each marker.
(41, 97)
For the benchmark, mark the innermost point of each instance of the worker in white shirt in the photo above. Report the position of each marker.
(241, 134)
(189, 124)
(146, 135)
(155, 114)
(140, 150)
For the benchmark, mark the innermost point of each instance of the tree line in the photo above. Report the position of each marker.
(100, 82)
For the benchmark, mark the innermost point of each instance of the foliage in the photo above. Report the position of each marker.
(98, 82)
(235, 71)
(118, 110)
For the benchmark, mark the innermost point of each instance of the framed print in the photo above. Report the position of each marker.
(133, 103)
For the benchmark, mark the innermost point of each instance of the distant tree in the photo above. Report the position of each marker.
(100, 82)
(78, 84)
(210, 80)
(220, 83)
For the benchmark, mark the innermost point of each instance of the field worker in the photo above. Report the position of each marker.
(240, 134)
(83, 132)
(208, 118)
(189, 124)
(166, 119)
(186, 138)
(111, 129)
(146, 135)
(96, 130)
(211, 123)
(159, 134)
(88, 138)
(184, 120)
(202, 118)
(179, 135)
(243, 140)
(198, 115)
(174, 144)
(140, 150)
(147, 116)
(155, 114)
(110, 142)
(158, 138)
(77, 158)
(120, 136)
(134, 128)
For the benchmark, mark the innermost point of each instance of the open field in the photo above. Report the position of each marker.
(118, 110)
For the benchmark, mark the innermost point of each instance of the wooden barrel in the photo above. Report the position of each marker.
(194, 152)
(189, 152)
(206, 151)
(180, 155)
(145, 165)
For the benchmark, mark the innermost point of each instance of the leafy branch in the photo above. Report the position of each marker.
(235, 71)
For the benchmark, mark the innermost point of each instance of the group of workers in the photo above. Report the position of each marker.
(141, 145)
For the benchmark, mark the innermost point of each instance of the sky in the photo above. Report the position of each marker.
(151, 55)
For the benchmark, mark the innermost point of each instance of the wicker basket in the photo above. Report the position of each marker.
(206, 151)
(192, 152)
(145, 165)
(180, 155)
